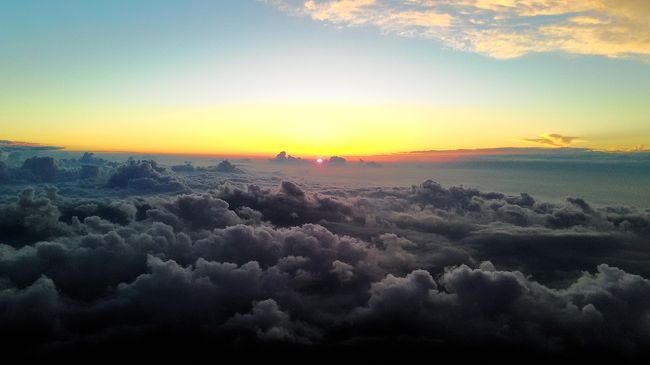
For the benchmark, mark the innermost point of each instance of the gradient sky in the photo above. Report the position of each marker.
(327, 77)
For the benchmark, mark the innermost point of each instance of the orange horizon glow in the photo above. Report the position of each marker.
(307, 130)
(400, 156)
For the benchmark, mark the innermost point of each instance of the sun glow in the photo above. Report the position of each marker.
(352, 130)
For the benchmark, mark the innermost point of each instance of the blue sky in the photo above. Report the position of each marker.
(97, 57)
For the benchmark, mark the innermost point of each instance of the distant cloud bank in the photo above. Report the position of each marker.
(9, 146)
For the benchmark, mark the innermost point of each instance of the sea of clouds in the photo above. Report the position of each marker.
(98, 255)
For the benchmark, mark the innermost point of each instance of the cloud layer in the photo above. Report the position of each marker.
(498, 28)
(239, 265)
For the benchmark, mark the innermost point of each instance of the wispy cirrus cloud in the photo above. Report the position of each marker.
(498, 28)
(554, 139)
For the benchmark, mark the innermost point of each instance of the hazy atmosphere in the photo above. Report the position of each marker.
(312, 181)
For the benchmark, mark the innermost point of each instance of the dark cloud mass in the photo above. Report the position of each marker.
(137, 257)
(144, 175)
(336, 160)
(282, 157)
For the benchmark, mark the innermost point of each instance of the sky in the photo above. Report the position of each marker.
(350, 78)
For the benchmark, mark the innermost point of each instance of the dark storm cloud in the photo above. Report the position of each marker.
(550, 241)
(116, 211)
(187, 167)
(288, 206)
(266, 321)
(89, 172)
(4, 171)
(282, 157)
(44, 168)
(88, 158)
(30, 167)
(28, 219)
(144, 176)
(336, 160)
(198, 211)
(484, 305)
(308, 266)
(31, 314)
(227, 166)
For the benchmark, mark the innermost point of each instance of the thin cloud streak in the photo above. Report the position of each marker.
(554, 140)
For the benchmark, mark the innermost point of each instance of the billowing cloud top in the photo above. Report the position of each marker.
(498, 28)
(202, 260)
